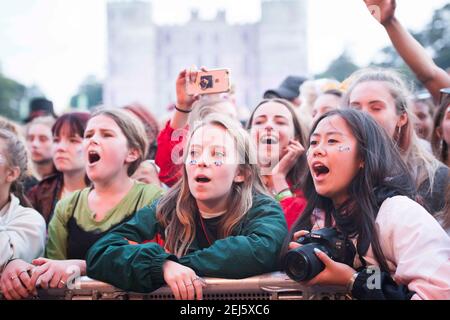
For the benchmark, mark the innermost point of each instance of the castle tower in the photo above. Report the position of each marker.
(282, 41)
(131, 54)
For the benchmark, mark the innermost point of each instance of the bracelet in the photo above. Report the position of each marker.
(181, 110)
(351, 282)
(6, 264)
(283, 194)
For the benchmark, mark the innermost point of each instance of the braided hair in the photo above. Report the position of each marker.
(15, 155)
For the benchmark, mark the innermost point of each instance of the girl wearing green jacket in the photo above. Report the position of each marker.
(217, 221)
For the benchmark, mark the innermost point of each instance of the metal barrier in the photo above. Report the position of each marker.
(272, 286)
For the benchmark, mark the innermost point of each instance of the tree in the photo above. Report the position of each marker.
(340, 69)
(434, 37)
(12, 94)
(90, 94)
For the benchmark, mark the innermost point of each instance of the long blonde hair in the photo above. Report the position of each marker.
(421, 163)
(176, 210)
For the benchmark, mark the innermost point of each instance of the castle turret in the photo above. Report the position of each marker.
(131, 54)
(282, 41)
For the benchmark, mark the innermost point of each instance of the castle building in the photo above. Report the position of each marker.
(144, 59)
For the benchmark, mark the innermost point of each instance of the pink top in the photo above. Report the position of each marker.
(416, 247)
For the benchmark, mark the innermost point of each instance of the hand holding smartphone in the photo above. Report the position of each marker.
(209, 82)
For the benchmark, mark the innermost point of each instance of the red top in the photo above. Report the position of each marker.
(293, 207)
(171, 141)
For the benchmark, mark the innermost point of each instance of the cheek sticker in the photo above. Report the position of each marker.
(344, 149)
(218, 163)
(193, 162)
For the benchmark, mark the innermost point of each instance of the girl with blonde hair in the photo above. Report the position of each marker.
(216, 221)
(384, 95)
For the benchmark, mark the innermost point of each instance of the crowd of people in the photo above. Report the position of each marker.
(121, 198)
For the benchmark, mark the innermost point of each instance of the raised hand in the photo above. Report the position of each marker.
(382, 10)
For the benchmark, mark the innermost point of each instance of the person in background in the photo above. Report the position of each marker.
(280, 139)
(289, 90)
(40, 107)
(384, 95)
(327, 101)
(22, 229)
(38, 135)
(440, 140)
(68, 159)
(423, 110)
(150, 124)
(216, 221)
(29, 181)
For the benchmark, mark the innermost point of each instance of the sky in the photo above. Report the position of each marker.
(56, 44)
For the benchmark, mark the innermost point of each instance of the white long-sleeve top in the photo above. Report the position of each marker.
(22, 232)
(415, 246)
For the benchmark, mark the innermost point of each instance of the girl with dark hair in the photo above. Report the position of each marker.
(68, 159)
(216, 221)
(22, 229)
(359, 185)
(280, 138)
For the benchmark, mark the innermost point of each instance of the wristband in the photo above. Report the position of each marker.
(181, 110)
(283, 194)
(351, 282)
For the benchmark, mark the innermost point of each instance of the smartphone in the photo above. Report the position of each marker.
(212, 81)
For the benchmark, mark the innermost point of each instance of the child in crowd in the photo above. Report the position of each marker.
(114, 146)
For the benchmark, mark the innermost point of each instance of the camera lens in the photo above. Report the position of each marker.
(296, 267)
(302, 264)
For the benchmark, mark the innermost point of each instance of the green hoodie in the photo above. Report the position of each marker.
(251, 250)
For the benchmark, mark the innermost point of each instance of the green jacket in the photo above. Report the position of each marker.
(253, 249)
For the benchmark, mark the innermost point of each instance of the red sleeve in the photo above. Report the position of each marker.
(293, 207)
(169, 154)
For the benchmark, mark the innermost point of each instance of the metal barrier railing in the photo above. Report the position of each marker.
(272, 286)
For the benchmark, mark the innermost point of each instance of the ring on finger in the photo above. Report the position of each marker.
(21, 272)
(62, 282)
(12, 278)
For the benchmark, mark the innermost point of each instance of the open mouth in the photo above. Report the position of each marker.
(320, 170)
(202, 179)
(93, 157)
(269, 140)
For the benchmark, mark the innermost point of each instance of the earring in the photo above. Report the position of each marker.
(399, 131)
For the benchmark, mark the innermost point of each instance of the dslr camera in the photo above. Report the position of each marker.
(302, 264)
